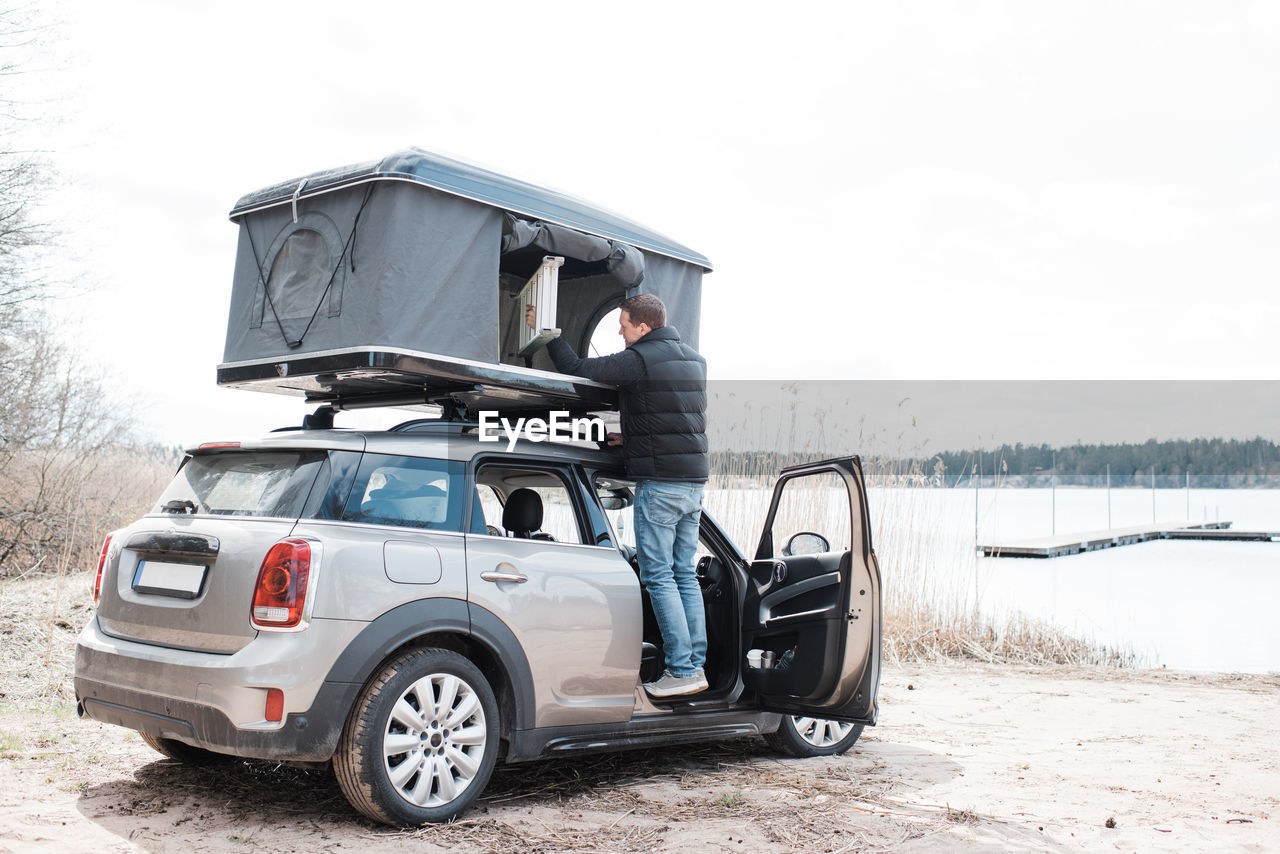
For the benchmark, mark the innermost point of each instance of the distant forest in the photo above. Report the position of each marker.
(1208, 462)
(1225, 458)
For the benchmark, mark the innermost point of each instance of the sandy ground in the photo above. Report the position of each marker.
(966, 758)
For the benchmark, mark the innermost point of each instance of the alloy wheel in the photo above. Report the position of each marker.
(820, 733)
(435, 740)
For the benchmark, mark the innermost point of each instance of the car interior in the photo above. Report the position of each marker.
(525, 503)
(532, 504)
(717, 595)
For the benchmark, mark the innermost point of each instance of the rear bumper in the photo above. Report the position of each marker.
(307, 737)
(218, 702)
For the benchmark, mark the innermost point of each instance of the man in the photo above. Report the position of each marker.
(662, 397)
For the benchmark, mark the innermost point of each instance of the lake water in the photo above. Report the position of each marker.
(1185, 605)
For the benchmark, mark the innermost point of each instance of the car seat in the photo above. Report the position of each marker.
(522, 515)
(379, 509)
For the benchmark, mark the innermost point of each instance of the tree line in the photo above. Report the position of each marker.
(1228, 463)
(1179, 457)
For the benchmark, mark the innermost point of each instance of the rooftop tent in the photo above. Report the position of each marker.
(399, 282)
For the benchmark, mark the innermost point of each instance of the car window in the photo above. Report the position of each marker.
(496, 484)
(491, 504)
(622, 519)
(813, 503)
(242, 483)
(411, 492)
(623, 522)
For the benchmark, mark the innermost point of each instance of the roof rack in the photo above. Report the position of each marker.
(368, 377)
(433, 425)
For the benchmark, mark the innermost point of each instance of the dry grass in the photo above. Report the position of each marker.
(40, 617)
(926, 561)
(624, 802)
(58, 505)
(923, 635)
(926, 565)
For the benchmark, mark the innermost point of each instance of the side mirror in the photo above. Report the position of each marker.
(613, 499)
(806, 543)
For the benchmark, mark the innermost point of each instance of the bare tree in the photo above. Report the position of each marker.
(21, 173)
(68, 465)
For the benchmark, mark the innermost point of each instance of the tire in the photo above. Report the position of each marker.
(185, 753)
(805, 737)
(421, 740)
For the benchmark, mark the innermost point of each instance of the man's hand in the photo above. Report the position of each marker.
(530, 316)
(613, 440)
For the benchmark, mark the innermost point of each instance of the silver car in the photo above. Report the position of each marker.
(417, 605)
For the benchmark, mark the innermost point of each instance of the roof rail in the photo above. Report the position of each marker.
(430, 425)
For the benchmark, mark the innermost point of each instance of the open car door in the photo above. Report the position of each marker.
(813, 597)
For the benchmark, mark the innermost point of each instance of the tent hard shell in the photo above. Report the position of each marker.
(404, 282)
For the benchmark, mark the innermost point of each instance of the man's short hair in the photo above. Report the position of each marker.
(645, 308)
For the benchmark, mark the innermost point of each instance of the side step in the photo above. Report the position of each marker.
(571, 744)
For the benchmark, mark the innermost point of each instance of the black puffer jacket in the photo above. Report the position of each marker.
(662, 396)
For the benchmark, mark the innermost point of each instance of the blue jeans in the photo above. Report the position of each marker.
(666, 520)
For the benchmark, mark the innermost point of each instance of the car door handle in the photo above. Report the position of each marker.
(504, 572)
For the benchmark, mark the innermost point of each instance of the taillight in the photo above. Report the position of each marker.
(281, 592)
(102, 564)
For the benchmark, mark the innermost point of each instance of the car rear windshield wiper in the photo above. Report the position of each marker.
(179, 506)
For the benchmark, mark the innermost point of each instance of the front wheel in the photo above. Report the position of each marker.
(805, 737)
(421, 740)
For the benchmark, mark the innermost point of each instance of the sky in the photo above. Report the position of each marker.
(888, 191)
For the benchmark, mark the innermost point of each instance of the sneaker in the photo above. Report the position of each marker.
(676, 686)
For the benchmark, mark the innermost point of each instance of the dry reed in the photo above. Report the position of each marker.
(929, 594)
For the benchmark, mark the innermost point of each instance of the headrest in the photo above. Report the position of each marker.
(523, 512)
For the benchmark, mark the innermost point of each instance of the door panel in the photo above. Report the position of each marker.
(574, 606)
(575, 611)
(819, 614)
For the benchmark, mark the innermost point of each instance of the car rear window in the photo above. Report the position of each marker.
(243, 483)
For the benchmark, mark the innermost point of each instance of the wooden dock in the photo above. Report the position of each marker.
(1088, 541)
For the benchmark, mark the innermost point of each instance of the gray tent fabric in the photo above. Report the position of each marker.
(679, 286)
(622, 261)
(419, 274)
(422, 254)
(469, 181)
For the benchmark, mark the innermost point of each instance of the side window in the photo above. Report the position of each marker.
(528, 503)
(407, 491)
(611, 492)
(815, 504)
(491, 505)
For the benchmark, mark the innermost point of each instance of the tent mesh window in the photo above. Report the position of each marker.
(299, 275)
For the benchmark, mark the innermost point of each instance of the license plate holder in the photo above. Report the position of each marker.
(163, 578)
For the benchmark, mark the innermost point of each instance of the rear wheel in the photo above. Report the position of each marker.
(183, 752)
(804, 737)
(421, 741)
